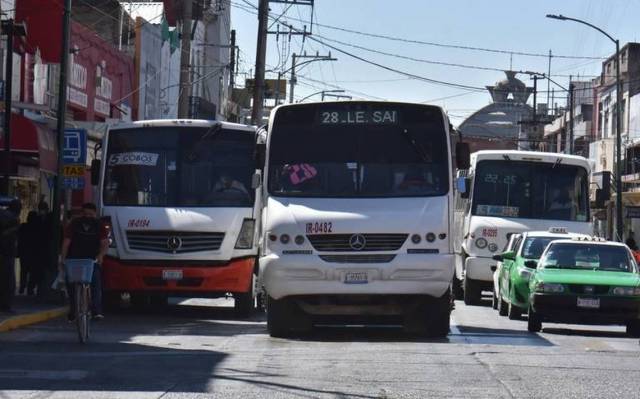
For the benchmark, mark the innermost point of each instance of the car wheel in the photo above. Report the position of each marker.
(494, 300)
(472, 292)
(502, 306)
(534, 324)
(514, 312)
(633, 328)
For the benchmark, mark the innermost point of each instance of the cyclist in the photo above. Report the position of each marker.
(85, 237)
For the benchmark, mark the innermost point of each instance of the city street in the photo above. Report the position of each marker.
(196, 350)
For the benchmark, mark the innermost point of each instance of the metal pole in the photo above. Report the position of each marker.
(619, 222)
(549, 80)
(571, 101)
(8, 25)
(531, 143)
(185, 61)
(232, 63)
(292, 81)
(278, 88)
(261, 55)
(62, 109)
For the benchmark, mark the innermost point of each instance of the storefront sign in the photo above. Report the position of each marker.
(75, 147)
(77, 97)
(101, 107)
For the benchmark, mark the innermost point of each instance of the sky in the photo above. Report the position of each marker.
(508, 26)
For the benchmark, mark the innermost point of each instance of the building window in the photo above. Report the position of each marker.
(605, 133)
(600, 119)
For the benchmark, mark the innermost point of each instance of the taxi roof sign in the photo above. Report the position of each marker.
(558, 230)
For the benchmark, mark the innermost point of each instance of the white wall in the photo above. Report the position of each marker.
(150, 63)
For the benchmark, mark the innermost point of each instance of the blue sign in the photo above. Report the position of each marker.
(73, 183)
(75, 147)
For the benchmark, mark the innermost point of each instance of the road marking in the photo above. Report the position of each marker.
(44, 374)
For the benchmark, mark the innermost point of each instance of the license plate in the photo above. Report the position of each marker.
(172, 274)
(589, 303)
(356, 278)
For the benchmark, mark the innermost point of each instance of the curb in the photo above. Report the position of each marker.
(23, 320)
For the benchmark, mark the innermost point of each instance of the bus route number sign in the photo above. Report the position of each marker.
(358, 117)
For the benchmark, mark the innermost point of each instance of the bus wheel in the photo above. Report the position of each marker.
(138, 300)
(456, 286)
(244, 302)
(439, 317)
(111, 301)
(285, 318)
(159, 300)
(472, 292)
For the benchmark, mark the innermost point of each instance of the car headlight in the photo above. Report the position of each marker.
(626, 291)
(481, 243)
(550, 288)
(245, 238)
(524, 273)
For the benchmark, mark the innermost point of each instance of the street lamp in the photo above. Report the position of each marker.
(321, 92)
(619, 225)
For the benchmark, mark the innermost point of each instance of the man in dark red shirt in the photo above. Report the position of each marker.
(85, 237)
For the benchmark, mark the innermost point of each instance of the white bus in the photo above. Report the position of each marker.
(506, 192)
(183, 204)
(357, 218)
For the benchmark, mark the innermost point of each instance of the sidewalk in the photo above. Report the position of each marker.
(30, 310)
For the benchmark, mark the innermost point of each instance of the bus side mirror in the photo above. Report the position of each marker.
(463, 156)
(462, 185)
(260, 156)
(95, 172)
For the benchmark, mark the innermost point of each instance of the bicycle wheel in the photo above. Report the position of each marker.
(83, 314)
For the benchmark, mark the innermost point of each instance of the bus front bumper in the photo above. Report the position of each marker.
(477, 268)
(406, 274)
(178, 278)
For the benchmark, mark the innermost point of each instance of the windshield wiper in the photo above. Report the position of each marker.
(417, 147)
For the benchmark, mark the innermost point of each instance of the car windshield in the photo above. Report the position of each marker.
(533, 190)
(584, 256)
(185, 166)
(534, 246)
(360, 150)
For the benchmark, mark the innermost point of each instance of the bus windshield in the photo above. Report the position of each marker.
(533, 190)
(179, 166)
(358, 150)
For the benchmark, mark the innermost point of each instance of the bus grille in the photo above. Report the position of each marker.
(174, 242)
(342, 242)
(357, 258)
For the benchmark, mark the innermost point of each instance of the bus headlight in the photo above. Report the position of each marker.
(245, 238)
(481, 243)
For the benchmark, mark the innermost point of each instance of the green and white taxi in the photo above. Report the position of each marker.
(585, 282)
(517, 264)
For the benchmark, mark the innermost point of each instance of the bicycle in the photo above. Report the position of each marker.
(79, 272)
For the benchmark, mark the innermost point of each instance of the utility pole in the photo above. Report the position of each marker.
(185, 60)
(309, 58)
(7, 28)
(60, 122)
(571, 101)
(548, 80)
(232, 62)
(261, 55)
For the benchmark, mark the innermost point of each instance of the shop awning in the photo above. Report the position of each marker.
(28, 136)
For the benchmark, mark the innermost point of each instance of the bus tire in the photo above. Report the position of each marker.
(111, 301)
(472, 292)
(279, 317)
(245, 302)
(138, 300)
(158, 300)
(439, 317)
(456, 287)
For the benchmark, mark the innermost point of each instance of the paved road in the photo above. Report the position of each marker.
(196, 351)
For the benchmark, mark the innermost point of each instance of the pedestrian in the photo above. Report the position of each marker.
(29, 251)
(631, 242)
(9, 225)
(46, 251)
(85, 237)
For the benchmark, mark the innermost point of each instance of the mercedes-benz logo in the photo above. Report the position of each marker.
(174, 243)
(357, 242)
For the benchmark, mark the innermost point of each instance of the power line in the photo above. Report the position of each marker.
(435, 44)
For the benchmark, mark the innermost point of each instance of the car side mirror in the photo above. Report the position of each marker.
(256, 180)
(463, 156)
(95, 172)
(531, 264)
(260, 155)
(498, 258)
(510, 255)
(462, 185)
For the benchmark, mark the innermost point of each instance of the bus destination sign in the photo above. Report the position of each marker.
(358, 117)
